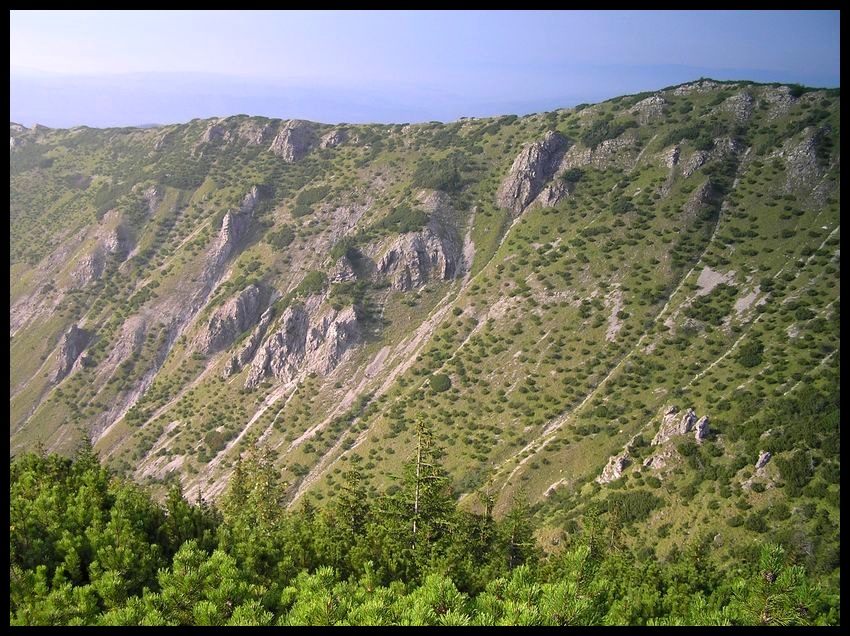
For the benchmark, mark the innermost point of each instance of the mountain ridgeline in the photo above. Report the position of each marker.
(632, 304)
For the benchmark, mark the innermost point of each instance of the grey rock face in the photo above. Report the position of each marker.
(780, 101)
(71, 346)
(554, 193)
(764, 457)
(672, 157)
(658, 460)
(700, 198)
(695, 162)
(254, 133)
(234, 226)
(740, 105)
(342, 271)
(304, 344)
(293, 141)
(614, 468)
(801, 162)
(152, 197)
(231, 319)
(701, 428)
(620, 151)
(649, 109)
(249, 347)
(216, 131)
(334, 138)
(416, 257)
(89, 268)
(700, 86)
(672, 425)
(532, 168)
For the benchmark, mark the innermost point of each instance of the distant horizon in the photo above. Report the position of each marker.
(124, 68)
(29, 121)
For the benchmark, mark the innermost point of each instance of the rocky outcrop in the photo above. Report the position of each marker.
(619, 152)
(649, 109)
(71, 345)
(249, 347)
(701, 86)
(779, 100)
(215, 131)
(671, 158)
(234, 227)
(254, 132)
(740, 106)
(130, 342)
(696, 161)
(659, 460)
(701, 429)
(230, 320)
(304, 344)
(89, 268)
(342, 271)
(614, 468)
(801, 162)
(554, 193)
(293, 141)
(417, 257)
(334, 138)
(153, 198)
(764, 457)
(700, 199)
(723, 147)
(533, 167)
(672, 424)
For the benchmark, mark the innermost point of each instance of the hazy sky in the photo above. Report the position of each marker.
(430, 65)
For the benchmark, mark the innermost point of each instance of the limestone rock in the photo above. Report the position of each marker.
(234, 226)
(153, 198)
(672, 425)
(740, 105)
(695, 162)
(71, 345)
(334, 138)
(293, 141)
(554, 193)
(230, 320)
(649, 109)
(701, 86)
(701, 428)
(619, 152)
(215, 131)
(533, 167)
(700, 198)
(303, 344)
(342, 271)
(801, 162)
(659, 460)
(254, 133)
(614, 468)
(249, 347)
(764, 457)
(780, 101)
(671, 159)
(89, 268)
(416, 257)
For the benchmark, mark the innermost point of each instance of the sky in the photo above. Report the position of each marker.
(137, 67)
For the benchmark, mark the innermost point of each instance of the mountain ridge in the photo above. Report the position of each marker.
(543, 289)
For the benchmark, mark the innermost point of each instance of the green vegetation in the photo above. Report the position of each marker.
(539, 344)
(86, 549)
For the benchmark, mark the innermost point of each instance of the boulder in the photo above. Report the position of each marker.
(534, 166)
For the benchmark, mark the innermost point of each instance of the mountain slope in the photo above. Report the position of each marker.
(546, 291)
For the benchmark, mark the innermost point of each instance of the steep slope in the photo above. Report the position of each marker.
(181, 293)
